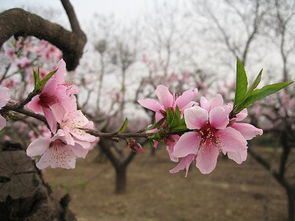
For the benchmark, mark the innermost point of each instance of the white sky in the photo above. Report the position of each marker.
(85, 9)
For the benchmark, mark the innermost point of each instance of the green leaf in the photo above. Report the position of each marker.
(261, 93)
(170, 116)
(41, 83)
(124, 126)
(255, 83)
(36, 78)
(155, 125)
(241, 83)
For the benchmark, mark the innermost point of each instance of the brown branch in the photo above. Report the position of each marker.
(18, 22)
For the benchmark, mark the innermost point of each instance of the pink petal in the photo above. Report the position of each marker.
(231, 140)
(218, 117)
(150, 104)
(84, 144)
(79, 151)
(60, 73)
(247, 130)
(204, 103)
(238, 157)
(170, 146)
(207, 158)
(64, 135)
(242, 115)
(186, 98)
(38, 147)
(183, 164)
(4, 96)
(50, 119)
(58, 112)
(50, 87)
(164, 95)
(216, 101)
(2, 122)
(187, 144)
(34, 105)
(159, 116)
(58, 156)
(195, 117)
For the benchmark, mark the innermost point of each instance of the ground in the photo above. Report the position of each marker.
(243, 192)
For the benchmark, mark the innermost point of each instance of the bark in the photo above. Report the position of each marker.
(18, 22)
(291, 202)
(121, 179)
(24, 195)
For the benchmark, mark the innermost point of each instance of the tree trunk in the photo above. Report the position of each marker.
(121, 179)
(153, 151)
(291, 202)
(24, 196)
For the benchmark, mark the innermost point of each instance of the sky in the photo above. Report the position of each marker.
(85, 9)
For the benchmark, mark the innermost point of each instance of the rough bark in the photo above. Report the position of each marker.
(24, 196)
(18, 22)
(121, 179)
(291, 202)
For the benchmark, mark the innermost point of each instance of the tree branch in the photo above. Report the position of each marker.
(18, 22)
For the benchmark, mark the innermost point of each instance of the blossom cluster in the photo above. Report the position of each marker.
(69, 141)
(209, 130)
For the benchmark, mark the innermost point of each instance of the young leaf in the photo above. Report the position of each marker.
(255, 83)
(124, 126)
(155, 125)
(261, 93)
(42, 82)
(170, 116)
(241, 83)
(36, 78)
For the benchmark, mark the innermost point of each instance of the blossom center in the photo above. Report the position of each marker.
(47, 100)
(208, 134)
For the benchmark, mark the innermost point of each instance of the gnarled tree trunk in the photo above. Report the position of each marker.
(24, 196)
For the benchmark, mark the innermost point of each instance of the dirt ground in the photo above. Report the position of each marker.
(232, 192)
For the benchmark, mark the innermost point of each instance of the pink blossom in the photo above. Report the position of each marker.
(135, 146)
(58, 151)
(168, 100)
(56, 98)
(4, 98)
(72, 123)
(23, 62)
(213, 132)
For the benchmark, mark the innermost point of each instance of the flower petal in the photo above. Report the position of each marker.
(58, 156)
(184, 163)
(164, 95)
(60, 73)
(186, 98)
(195, 117)
(150, 104)
(218, 117)
(79, 151)
(38, 147)
(187, 144)
(4, 96)
(34, 105)
(238, 157)
(216, 101)
(58, 112)
(207, 158)
(242, 115)
(247, 130)
(231, 140)
(50, 119)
